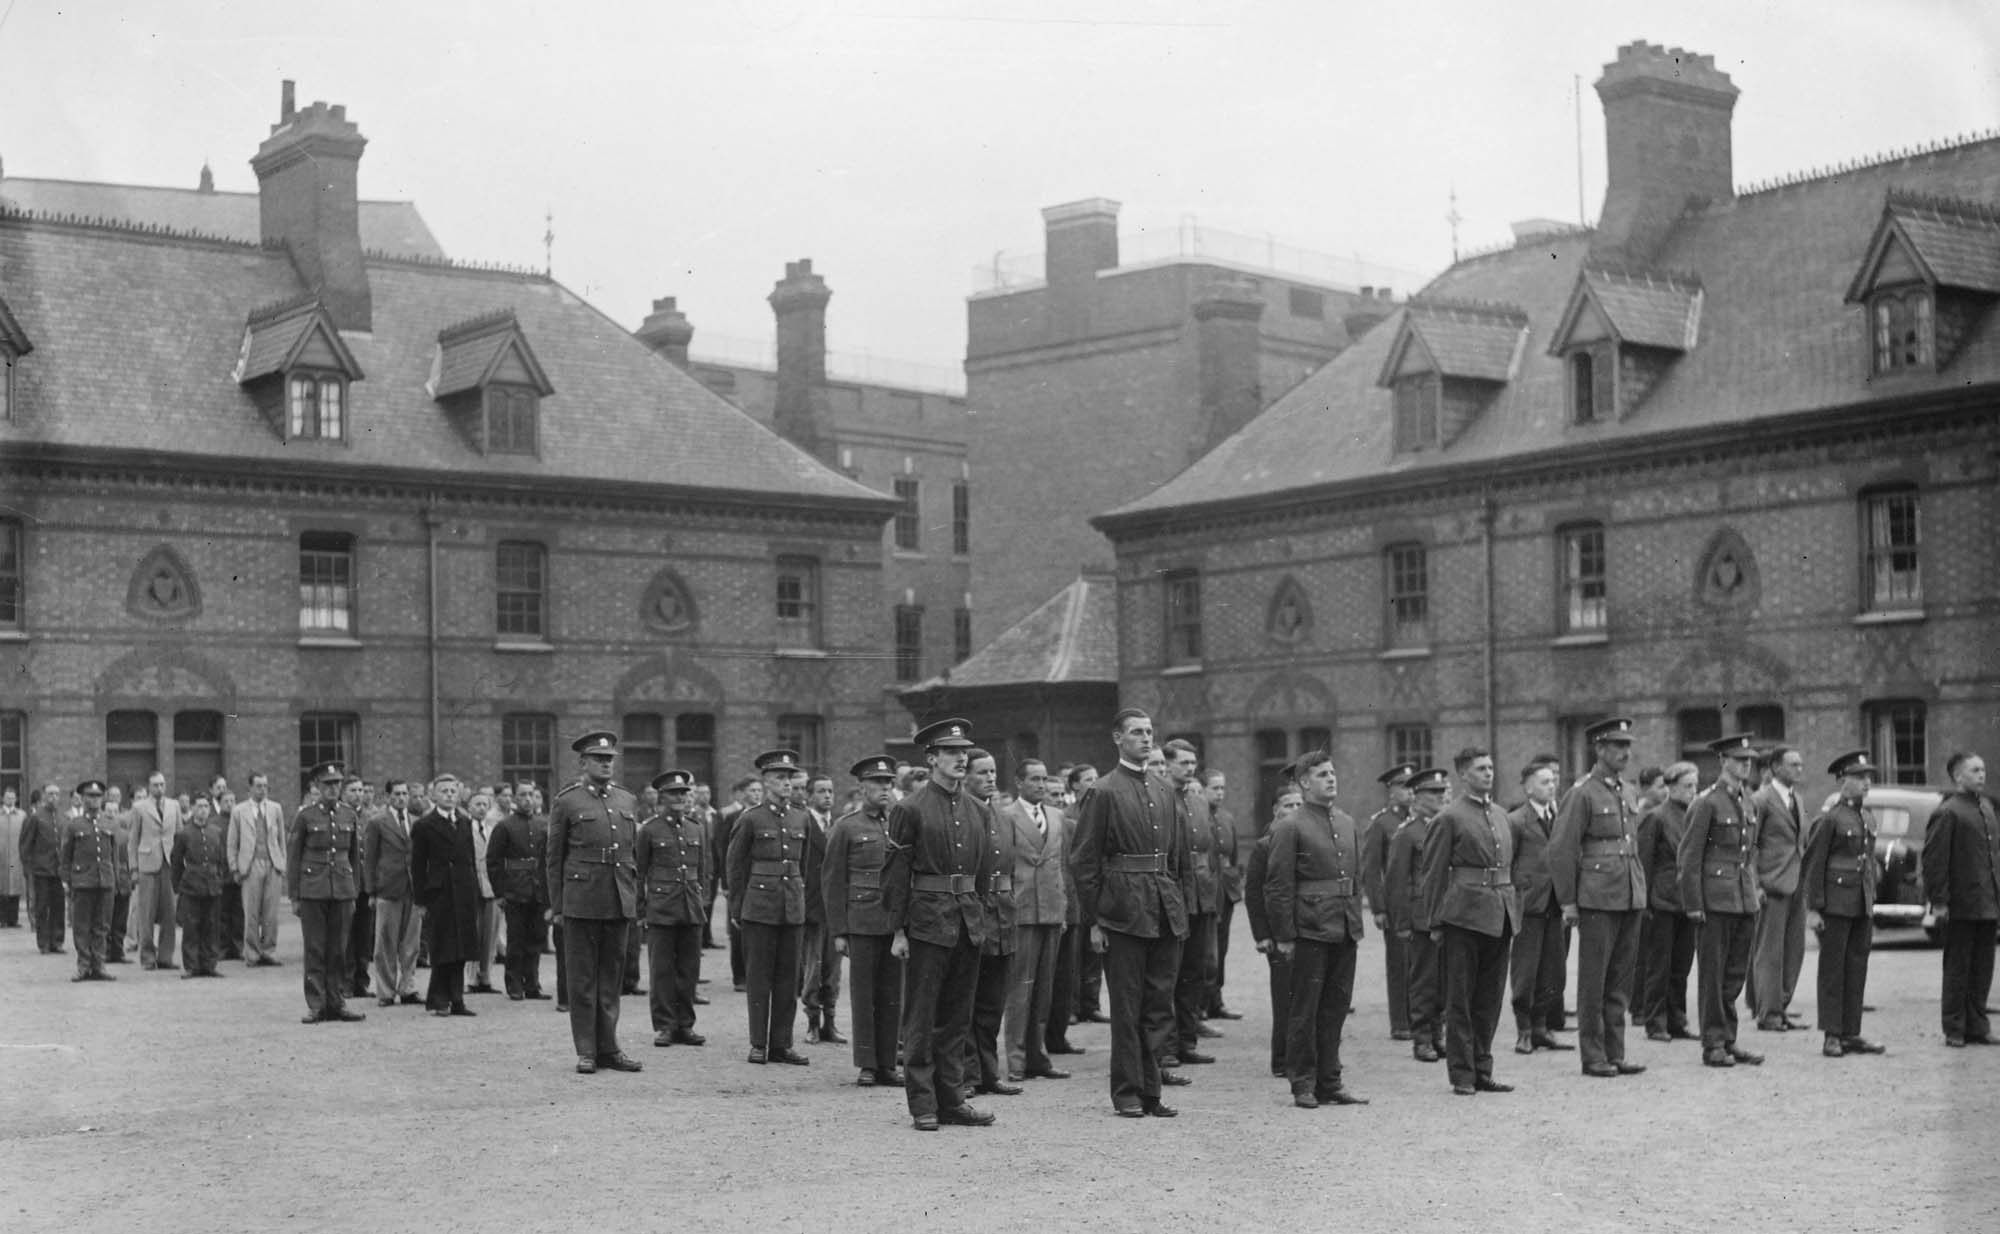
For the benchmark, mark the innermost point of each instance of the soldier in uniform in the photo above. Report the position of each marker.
(1837, 879)
(1667, 938)
(1601, 885)
(767, 902)
(1312, 894)
(985, 1062)
(322, 860)
(673, 873)
(1375, 836)
(1468, 891)
(857, 849)
(938, 854)
(92, 859)
(593, 873)
(1423, 980)
(1191, 985)
(1256, 875)
(41, 863)
(197, 867)
(1134, 877)
(1718, 873)
(517, 868)
(1215, 789)
(1961, 864)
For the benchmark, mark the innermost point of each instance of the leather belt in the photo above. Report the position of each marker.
(950, 884)
(775, 869)
(1607, 848)
(1328, 886)
(1137, 863)
(595, 855)
(1481, 876)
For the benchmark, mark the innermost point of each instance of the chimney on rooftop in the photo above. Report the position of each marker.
(308, 198)
(1080, 238)
(666, 330)
(1227, 311)
(799, 302)
(1666, 130)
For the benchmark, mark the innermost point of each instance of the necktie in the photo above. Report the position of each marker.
(1041, 823)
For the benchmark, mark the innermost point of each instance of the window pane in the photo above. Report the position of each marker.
(511, 415)
(961, 635)
(642, 751)
(10, 575)
(1409, 596)
(527, 750)
(1273, 754)
(14, 755)
(909, 642)
(1183, 619)
(304, 420)
(326, 582)
(332, 421)
(1315, 738)
(1410, 743)
(798, 602)
(909, 523)
(327, 737)
(961, 519)
(1698, 727)
(800, 733)
(1893, 551)
(1898, 739)
(1573, 753)
(520, 590)
(1583, 386)
(197, 749)
(1583, 582)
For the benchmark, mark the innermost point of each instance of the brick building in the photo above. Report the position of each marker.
(1726, 461)
(283, 496)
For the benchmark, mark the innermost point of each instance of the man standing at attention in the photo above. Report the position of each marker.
(1668, 937)
(257, 855)
(1961, 866)
(820, 980)
(443, 865)
(1718, 871)
(1191, 985)
(1375, 836)
(1469, 901)
(1837, 880)
(1539, 953)
(857, 848)
(91, 858)
(155, 819)
(1778, 947)
(1594, 860)
(1409, 917)
(1041, 901)
(673, 869)
(767, 903)
(13, 881)
(515, 857)
(399, 919)
(987, 1061)
(593, 874)
(41, 863)
(1134, 877)
(322, 857)
(197, 865)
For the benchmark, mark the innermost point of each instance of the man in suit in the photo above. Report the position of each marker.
(767, 901)
(322, 858)
(1312, 892)
(1778, 947)
(1961, 864)
(443, 868)
(41, 862)
(1468, 889)
(92, 857)
(819, 981)
(516, 867)
(399, 918)
(1041, 901)
(256, 843)
(155, 819)
(1198, 953)
(593, 873)
(1717, 866)
(1402, 891)
(1539, 952)
(13, 881)
(1667, 937)
(673, 869)
(1601, 884)
(1837, 879)
(1375, 836)
(857, 850)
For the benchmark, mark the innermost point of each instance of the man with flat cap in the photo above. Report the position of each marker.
(938, 860)
(1601, 885)
(91, 857)
(767, 902)
(593, 872)
(857, 849)
(1717, 865)
(1837, 880)
(1375, 836)
(673, 871)
(322, 877)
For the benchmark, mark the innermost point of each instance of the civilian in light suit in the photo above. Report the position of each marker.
(1041, 901)
(256, 846)
(399, 919)
(1778, 948)
(156, 818)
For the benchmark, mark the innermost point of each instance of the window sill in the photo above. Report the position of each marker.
(1589, 638)
(13, 636)
(1181, 670)
(908, 554)
(799, 653)
(1890, 617)
(537, 648)
(1406, 653)
(328, 640)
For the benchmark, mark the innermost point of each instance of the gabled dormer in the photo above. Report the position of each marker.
(296, 367)
(1620, 333)
(1448, 361)
(14, 344)
(1932, 267)
(486, 377)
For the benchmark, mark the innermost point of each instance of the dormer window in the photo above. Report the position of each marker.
(1929, 275)
(296, 367)
(1583, 387)
(316, 406)
(512, 413)
(1619, 337)
(1449, 360)
(485, 374)
(1904, 334)
(1417, 400)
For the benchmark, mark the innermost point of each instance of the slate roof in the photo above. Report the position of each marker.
(1468, 340)
(1776, 339)
(138, 336)
(1958, 241)
(1071, 637)
(392, 227)
(273, 338)
(1647, 309)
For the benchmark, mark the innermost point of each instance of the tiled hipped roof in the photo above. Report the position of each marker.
(1775, 334)
(1072, 637)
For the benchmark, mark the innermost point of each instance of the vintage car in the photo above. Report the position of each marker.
(1901, 813)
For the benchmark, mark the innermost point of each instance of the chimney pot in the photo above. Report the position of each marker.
(1667, 136)
(308, 200)
(287, 102)
(667, 331)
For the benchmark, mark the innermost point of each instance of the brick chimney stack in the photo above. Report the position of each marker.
(308, 198)
(1227, 311)
(799, 302)
(1666, 124)
(1080, 238)
(667, 331)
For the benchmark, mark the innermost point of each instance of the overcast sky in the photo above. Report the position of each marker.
(692, 149)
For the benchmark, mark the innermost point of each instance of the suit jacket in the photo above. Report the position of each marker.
(13, 880)
(1779, 837)
(1229, 847)
(1468, 869)
(517, 859)
(323, 853)
(1532, 882)
(1962, 858)
(766, 866)
(1040, 894)
(244, 819)
(1660, 835)
(593, 870)
(1312, 882)
(385, 856)
(1717, 861)
(1124, 819)
(1594, 849)
(673, 869)
(1838, 874)
(153, 828)
(444, 866)
(857, 850)
(41, 846)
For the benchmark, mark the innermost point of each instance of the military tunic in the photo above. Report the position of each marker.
(1717, 867)
(1375, 836)
(1838, 877)
(1313, 900)
(322, 861)
(1667, 938)
(593, 877)
(199, 869)
(767, 899)
(1468, 892)
(674, 869)
(857, 850)
(517, 870)
(91, 857)
(1594, 862)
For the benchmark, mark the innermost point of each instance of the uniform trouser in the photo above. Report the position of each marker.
(1667, 939)
(1607, 942)
(1062, 989)
(674, 953)
(634, 962)
(1139, 984)
(989, 1005)
(1322, 988)
(1089, 977)
(200, 920)
(1426, 988)
(1396, 975)
(360, 943)
(1723, 951)
(47, 910)
(10, 911)
(937, 1020)
(593, 951)
(325, 923)
(875, 1000)
(1535, 970)
(1030, 993)
(1191, 983)
(259, 901)
(399, 925)
(771, 979)
(1281, 1006)
(1475, 986)
(1843, 973)
(1777, 953)
(90, 919)
(234, 914)
(121, 916)
(1225, 917)
(527, 939)
(489, 937)
(819, 984)
(152, 925)
(736, 959)
(1968, 977)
